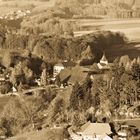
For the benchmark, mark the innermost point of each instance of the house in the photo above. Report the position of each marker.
(57, 69)
(95, 131)
(71, 75)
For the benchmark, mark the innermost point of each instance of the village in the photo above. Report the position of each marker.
(69, 70)
(15, 15)
(65, 75)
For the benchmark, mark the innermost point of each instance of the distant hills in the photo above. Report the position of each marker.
(78, 8)
(92, 8)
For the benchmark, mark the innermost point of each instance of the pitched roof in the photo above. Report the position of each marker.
(74, 74)
(95, 128)
(65, 74)
(78, 74)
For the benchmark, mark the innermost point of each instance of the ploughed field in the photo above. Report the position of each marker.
(130, 27)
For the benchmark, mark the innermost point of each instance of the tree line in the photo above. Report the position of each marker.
(51, 48)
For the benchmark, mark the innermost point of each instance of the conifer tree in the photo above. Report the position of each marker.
(76, 97)
(44, 77)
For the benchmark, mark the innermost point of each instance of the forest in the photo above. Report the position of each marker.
(51, 48)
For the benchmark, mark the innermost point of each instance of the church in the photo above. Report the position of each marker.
(103, 64)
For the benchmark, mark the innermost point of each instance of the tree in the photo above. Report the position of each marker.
(7, 59)
(44, 77)
(87, 56)
(95, 93)
(17, 75)
(76, 97)
(59, 106)
(135, 71)
(58, 80)
(28, 73)
(21, 74)
(78, 118)
(124, 60)
(21, 114)
(87, 101)
(13, 117)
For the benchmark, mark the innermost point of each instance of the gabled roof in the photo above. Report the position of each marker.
(95, 128)
(65, 74)
(78, 74)
(74, 74)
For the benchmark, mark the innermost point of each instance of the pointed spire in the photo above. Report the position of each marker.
(104, 59)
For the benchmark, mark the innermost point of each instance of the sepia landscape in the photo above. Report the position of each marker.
(69, 69)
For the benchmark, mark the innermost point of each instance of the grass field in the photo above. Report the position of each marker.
(130, 27)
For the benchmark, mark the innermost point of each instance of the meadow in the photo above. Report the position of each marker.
(130, 27)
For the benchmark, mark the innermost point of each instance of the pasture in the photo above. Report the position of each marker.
(130, 27)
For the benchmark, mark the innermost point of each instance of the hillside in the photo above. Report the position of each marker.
(105, 8)
(84, 8)
(45, 134)
(51, 48)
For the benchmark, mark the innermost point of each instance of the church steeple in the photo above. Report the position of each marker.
(103, 64)
(104, 59)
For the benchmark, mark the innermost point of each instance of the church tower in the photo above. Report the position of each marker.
(104, 60)
(103, 64)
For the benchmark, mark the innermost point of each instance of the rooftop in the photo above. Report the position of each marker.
(95, 128)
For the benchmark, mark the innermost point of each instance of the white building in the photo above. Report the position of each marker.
(57, 69)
